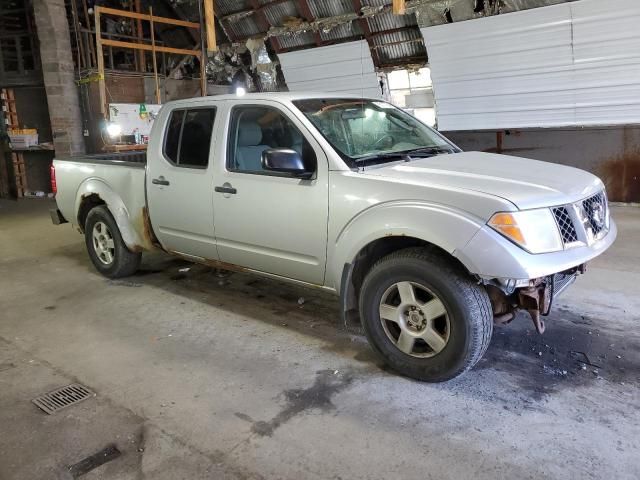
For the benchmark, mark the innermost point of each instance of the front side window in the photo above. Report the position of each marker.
(361, 129)
(188, 137)
(255, 129)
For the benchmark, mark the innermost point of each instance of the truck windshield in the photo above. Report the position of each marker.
(369, 131)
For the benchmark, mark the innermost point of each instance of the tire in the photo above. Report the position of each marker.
(435, 334)
(107, 251)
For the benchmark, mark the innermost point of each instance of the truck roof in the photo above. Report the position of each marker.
(282, 96)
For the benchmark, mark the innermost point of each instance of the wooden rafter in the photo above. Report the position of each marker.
(399, 7)
(264, 23)
(210, 22)
(364, 25)
(148, 18)
(305, 11)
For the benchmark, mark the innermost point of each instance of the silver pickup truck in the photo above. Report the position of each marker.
(427, 246)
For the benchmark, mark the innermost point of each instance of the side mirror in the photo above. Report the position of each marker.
(285, 160)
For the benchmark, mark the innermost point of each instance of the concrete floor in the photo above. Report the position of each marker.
(202, 377)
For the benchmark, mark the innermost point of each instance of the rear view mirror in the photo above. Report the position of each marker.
(285, 160)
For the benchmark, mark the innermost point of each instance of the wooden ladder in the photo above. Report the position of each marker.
(17, 158)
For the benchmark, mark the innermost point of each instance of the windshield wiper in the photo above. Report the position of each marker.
(380, 156)
(434, 150)
(405, 155)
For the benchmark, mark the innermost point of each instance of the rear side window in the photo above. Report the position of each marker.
(172, 140)
(188, 137)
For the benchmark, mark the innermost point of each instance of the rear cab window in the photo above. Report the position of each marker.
(187, 140)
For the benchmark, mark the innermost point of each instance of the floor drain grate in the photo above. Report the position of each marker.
(62, 397)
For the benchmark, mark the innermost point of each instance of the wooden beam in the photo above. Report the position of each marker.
(364, 25)
(142, 16)
(264, 23)
(204, 56)
(399, 7)
(210, 24)
(155, 64)
(102, 88)
(139, 55)
(305, 10)
(149, 48)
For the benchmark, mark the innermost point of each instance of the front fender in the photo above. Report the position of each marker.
(443, 226)
(126, 223)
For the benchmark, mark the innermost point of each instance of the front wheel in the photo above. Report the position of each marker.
(107, 251)
(425, 315)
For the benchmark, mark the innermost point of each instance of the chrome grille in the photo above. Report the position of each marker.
(595, 209)
(565, 224)
(583, 222)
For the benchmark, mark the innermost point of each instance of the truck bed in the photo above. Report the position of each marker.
(114, 179)
(130, 159)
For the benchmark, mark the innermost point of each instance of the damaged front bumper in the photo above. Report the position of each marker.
(491, 256)
(536, 297)
(518, 280)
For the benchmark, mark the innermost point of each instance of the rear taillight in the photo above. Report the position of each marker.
(54, 185)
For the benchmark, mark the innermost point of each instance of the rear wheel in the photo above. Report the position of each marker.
(107, 251)
(424, 315)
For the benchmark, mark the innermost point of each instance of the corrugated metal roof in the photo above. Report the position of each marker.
(330, 8)
(243, 27)
(277, 12)
(230, 6)
(347, 30)
(398, 45)
(389, 21)
(296, 40)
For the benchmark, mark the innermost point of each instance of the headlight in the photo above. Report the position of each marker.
(534, 230)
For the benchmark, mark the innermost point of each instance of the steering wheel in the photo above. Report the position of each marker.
(388, 135)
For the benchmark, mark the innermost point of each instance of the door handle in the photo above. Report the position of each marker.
(160, 181)
(226, 188)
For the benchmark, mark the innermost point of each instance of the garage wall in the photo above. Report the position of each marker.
(346, 68)
(573, 64)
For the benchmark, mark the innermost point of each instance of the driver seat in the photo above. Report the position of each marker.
(249, 148)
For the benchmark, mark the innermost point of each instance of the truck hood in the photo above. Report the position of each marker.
(525, 183)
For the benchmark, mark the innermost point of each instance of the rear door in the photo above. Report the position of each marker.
(179, 182)
(266, 221)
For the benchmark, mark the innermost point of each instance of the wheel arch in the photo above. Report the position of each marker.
(390, 228)
(353, 273)
(94, 192)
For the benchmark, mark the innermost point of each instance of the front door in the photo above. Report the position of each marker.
(266, 221)
(179, 182)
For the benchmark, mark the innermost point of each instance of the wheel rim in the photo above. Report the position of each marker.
(103, 243)
(415, 319)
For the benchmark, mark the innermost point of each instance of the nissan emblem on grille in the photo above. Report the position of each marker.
(595, 213)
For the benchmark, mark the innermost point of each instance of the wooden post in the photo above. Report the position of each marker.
(100, 59)
(153, 52)
(92, 53)
(141, 56)
(210, 21)
(399, 7)
(203, 49)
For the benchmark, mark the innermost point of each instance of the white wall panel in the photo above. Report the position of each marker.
(346, 68)
(565, 65)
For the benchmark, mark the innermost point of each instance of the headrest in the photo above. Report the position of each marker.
(249, 133)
